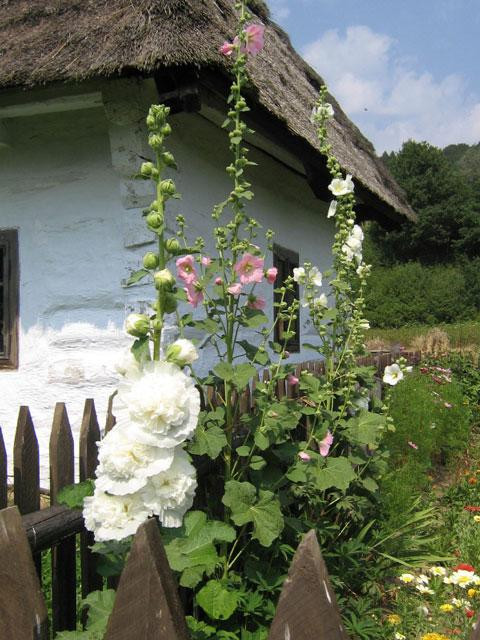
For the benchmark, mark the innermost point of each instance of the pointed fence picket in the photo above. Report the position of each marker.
(56, 527)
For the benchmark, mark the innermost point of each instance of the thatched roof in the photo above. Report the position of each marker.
(46, 41)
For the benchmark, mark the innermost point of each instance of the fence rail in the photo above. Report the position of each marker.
(56, 527)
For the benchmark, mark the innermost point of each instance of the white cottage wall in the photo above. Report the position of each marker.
(67, 186)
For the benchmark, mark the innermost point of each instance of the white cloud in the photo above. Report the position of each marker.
(280, 9)
(387, 97)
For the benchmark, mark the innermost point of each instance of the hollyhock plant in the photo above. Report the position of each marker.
(325, 444)
(194, 293)
(186, 269)
(271, 275)
(340, 187)
(254, 39)
(249, 269)
(235, 289)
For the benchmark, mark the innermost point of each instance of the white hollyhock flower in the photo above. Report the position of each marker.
(114, 517)
(126, 464)
(341, 187)
(352, 247)
(321, 301)
(392, 374)
(364, 324)
(182, 352)
(170, 494)
(332, 209)
(159, 405)
(325, 110)
(299, 275)
(127, 364)
(315, 276)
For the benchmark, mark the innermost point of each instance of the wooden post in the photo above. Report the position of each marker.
(88, 459)
(26, 464)
(147, 605)
(64, 579)
(307, 607)
(23, 614)
(3, 473)
(26, 470)
(111, 420)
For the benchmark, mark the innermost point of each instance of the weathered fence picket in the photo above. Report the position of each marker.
(147, 604)
(26, 465)
(3, 473)
(23, 614)
(62, 473)
(88, 460)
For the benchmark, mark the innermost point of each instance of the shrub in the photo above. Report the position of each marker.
(413, 294)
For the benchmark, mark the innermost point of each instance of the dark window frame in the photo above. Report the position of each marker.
(285, 260)
(10, 292)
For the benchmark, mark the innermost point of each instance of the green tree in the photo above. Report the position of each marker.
(445, 200)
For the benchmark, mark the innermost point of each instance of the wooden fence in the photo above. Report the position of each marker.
(57, 527)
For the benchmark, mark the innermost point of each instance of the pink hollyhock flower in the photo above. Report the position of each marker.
(186, 269)
(249, 268)
(272, 274)
(194, 293)
(256, 303)
(303, 455)
(218, 281)
(235, 289)
(227, 48)
(413, 445)
(206, 261)
(325, 444)
(255, 38)
(292, 379)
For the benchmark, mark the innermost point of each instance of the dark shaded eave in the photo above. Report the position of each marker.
(48, 41)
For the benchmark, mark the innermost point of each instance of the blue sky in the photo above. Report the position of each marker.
(400, 68)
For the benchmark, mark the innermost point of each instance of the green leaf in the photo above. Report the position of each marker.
(113, 554)
(298, 473)
(208, 325)
(73, 494)
(100, 605)
(208, 441)
(200, 630)
(75, 635)
(338, 473)
(193, 551)
(257, 463)
(254, 318)
(224, 371)
(243, 451)
(370, 484)
(243, 374)
(136, 277)
(263, 511)
(366, 428)
(141, 349)
(217, 601)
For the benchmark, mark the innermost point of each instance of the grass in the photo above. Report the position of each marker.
(463, 335)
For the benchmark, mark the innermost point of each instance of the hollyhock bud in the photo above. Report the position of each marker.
(172, 245)
(218, 281)
(170, 303)
(146, 169)
(168, 159)
(150, 121)
(206, 261)
(166, 129)
(155, 141)
(293, 380)
(154, 220)
(150, 260)
(163, 279)
(271, 274)
(303, 455)
(235, 289)
(167, 188)
(137, 324)
(182, 352)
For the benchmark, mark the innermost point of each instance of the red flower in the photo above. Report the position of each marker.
(471, 509)
(464, 567)
(469, 613)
